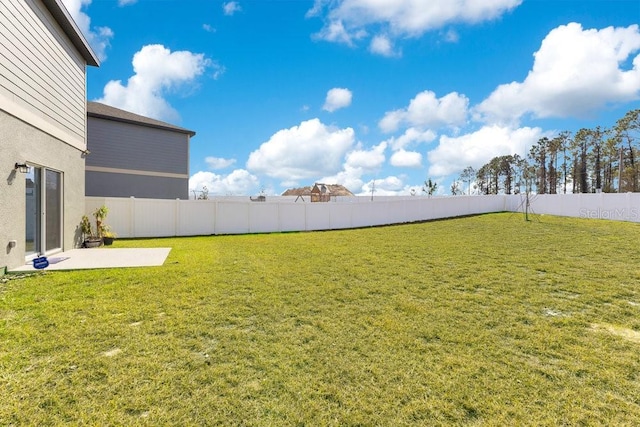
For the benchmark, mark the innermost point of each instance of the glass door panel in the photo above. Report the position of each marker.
(33, 229)
(53, 210)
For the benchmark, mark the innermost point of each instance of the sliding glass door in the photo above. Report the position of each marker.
(53, 210)
(34, 212)
(43, 196)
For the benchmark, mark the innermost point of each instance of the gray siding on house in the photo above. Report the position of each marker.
(104, 184)
(129, 146)
(42, 75)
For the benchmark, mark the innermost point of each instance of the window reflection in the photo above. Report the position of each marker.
(53, 209)
(33, 210)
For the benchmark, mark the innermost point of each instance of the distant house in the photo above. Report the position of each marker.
(43, 123)
(319, 192)
(133, 155)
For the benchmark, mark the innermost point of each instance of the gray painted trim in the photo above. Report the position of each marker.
(135, 172)
(10, 106)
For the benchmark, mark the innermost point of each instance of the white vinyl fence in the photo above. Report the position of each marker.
(131, 217)
(619, 207)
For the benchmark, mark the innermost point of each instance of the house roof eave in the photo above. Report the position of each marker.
(107, 112)
(70, 28)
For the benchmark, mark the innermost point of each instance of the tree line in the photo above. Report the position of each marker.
(587, 161)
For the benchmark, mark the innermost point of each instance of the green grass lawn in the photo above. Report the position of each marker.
(486, 320)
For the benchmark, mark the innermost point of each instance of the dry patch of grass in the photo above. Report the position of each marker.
(626, 333)
(481, 320)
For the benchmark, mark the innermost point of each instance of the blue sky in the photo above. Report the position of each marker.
(285, 93)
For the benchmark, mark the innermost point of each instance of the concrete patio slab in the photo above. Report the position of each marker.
(80, 259)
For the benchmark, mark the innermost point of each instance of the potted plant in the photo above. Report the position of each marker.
(100, 214)
(108, 236)
(90, 239)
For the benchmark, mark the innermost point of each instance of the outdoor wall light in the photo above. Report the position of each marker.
(22, 167)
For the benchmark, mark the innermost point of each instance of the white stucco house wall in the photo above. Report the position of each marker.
(43, 127)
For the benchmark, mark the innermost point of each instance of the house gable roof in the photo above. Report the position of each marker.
(70, 28)
(102, 111)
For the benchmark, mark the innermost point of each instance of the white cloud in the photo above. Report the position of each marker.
(389, 186)
(98, 37)
(382, 45)
(475, 149)
(392, 121)
(361, 161)
(358, 162)
(231, 8)
(366, 160)
(347, 20)
(208, 28)
(336, 32)
(425, 110)
(349, 177)
(238, 182)
(306, 151)
(406, 159)
(451, 36)
(126, 2)
(337, 98)
(575, 71)
(218, 70)
(158, 71)
(219, 163)
(316, 10)
(411, 136)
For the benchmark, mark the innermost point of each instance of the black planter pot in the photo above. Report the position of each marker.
(108, 241)
(92, 242)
